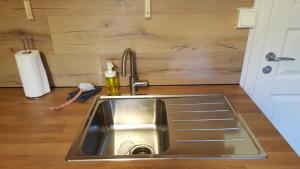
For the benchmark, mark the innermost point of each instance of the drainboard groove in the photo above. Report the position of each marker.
(203, 120)
(207, 129)
(201, 111)
(224, 140)
(192, 104)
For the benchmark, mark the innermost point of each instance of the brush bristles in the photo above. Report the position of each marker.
(86, 86)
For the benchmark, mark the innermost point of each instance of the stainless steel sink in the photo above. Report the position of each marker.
(164, 127)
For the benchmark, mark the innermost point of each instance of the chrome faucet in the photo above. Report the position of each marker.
(133, 79)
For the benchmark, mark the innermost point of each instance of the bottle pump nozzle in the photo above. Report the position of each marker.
(110, 72)
(109, 66)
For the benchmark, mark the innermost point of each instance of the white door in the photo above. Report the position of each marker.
(277, 86)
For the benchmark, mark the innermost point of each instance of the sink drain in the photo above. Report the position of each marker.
(141, 150)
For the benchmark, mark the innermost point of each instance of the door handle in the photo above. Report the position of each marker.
(272, 57)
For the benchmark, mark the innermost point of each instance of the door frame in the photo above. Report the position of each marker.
(255, 45)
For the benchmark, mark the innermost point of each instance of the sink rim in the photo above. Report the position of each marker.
(75, 154)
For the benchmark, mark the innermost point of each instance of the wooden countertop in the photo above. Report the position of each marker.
(32, 136)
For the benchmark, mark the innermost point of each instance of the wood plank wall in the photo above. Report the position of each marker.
(185, 42)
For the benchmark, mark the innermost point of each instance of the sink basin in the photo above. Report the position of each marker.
(127, 127)
(203, 126)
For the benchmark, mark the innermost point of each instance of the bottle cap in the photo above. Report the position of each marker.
(110, 72)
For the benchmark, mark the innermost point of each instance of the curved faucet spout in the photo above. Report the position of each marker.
(133, 79)
(128, 52)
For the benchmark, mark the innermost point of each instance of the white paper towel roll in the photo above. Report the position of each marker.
(32, 72)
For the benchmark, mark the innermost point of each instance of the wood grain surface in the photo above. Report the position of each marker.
(33, 137)
(185, 42)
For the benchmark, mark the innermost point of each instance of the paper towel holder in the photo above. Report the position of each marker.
(25, 43)
(32, 74)
(30, 61)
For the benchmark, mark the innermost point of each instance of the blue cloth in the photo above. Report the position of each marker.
(85, 95)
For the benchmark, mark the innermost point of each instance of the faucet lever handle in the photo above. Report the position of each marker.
(141, 83)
